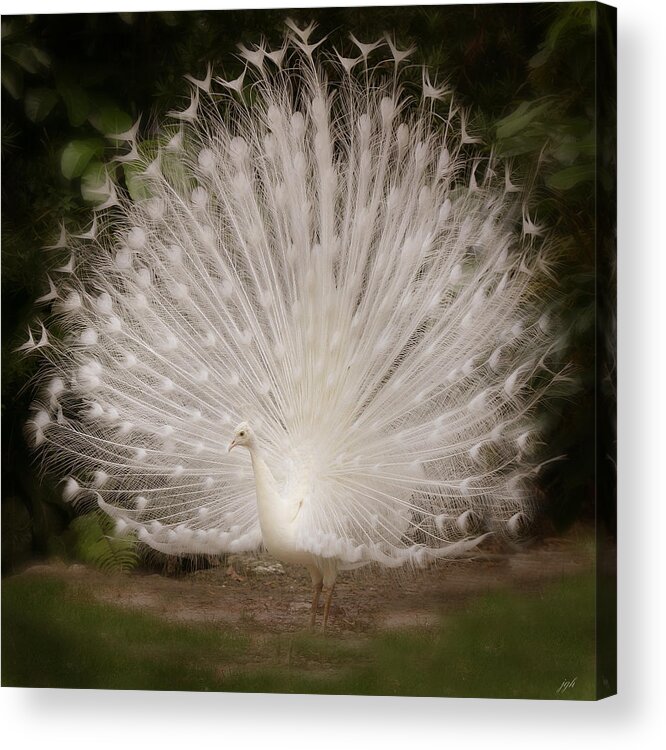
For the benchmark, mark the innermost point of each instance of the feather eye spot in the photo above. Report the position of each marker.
(207, 159)
(199, 197)
(136, 238)
(100, 478)
(225, 288)
(174, 253)
(238, 149)
(56, 387)
(144, 280)
(88, 337)
(141, 502)
(71, 489)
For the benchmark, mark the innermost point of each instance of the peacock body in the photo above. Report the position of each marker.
(310, 252)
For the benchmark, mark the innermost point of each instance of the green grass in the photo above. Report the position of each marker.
(504, 644)
(51, 639)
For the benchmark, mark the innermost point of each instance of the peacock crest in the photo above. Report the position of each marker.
(315, 250)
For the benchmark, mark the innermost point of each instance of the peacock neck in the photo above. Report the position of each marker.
(263, 478)
(271, 508)
(261, 471)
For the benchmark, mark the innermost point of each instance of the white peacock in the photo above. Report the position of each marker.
(311, 253)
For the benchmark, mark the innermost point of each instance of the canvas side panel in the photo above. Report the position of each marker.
(606, 340)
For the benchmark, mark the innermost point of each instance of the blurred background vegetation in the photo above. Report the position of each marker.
(528, 73)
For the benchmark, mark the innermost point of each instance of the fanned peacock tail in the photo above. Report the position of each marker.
(312, 249)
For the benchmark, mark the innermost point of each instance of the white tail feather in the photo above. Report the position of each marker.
(327, 264)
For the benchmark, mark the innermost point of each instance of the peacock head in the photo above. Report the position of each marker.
(243, 436)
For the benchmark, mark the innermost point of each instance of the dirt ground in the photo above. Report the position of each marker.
(259, 594)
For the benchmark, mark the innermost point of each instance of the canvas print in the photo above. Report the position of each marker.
(308, 351)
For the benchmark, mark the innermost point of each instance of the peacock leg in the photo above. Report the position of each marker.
(327, 605)
(315, 603)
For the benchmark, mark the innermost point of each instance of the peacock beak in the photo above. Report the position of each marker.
(232, 445)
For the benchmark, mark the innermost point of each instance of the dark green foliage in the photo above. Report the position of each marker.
(565, 117)
(16, 530)
(91, 540)
(505, 645)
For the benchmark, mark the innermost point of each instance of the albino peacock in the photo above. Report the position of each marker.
(314, 254)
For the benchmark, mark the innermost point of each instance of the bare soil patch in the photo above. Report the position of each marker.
(256, 595)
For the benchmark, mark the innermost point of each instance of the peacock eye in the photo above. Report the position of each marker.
(242, 433)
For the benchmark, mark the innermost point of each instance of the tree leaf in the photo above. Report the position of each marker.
(39, 102)
(77, 155)
(43, 58)
(138, 187)
(25, 56)
(93, 183)
(136, 184)
(12, 79)
(571, 176)
(77, 102)
(520, 118)
(567, 152)
(110, 119)
(521, 144)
